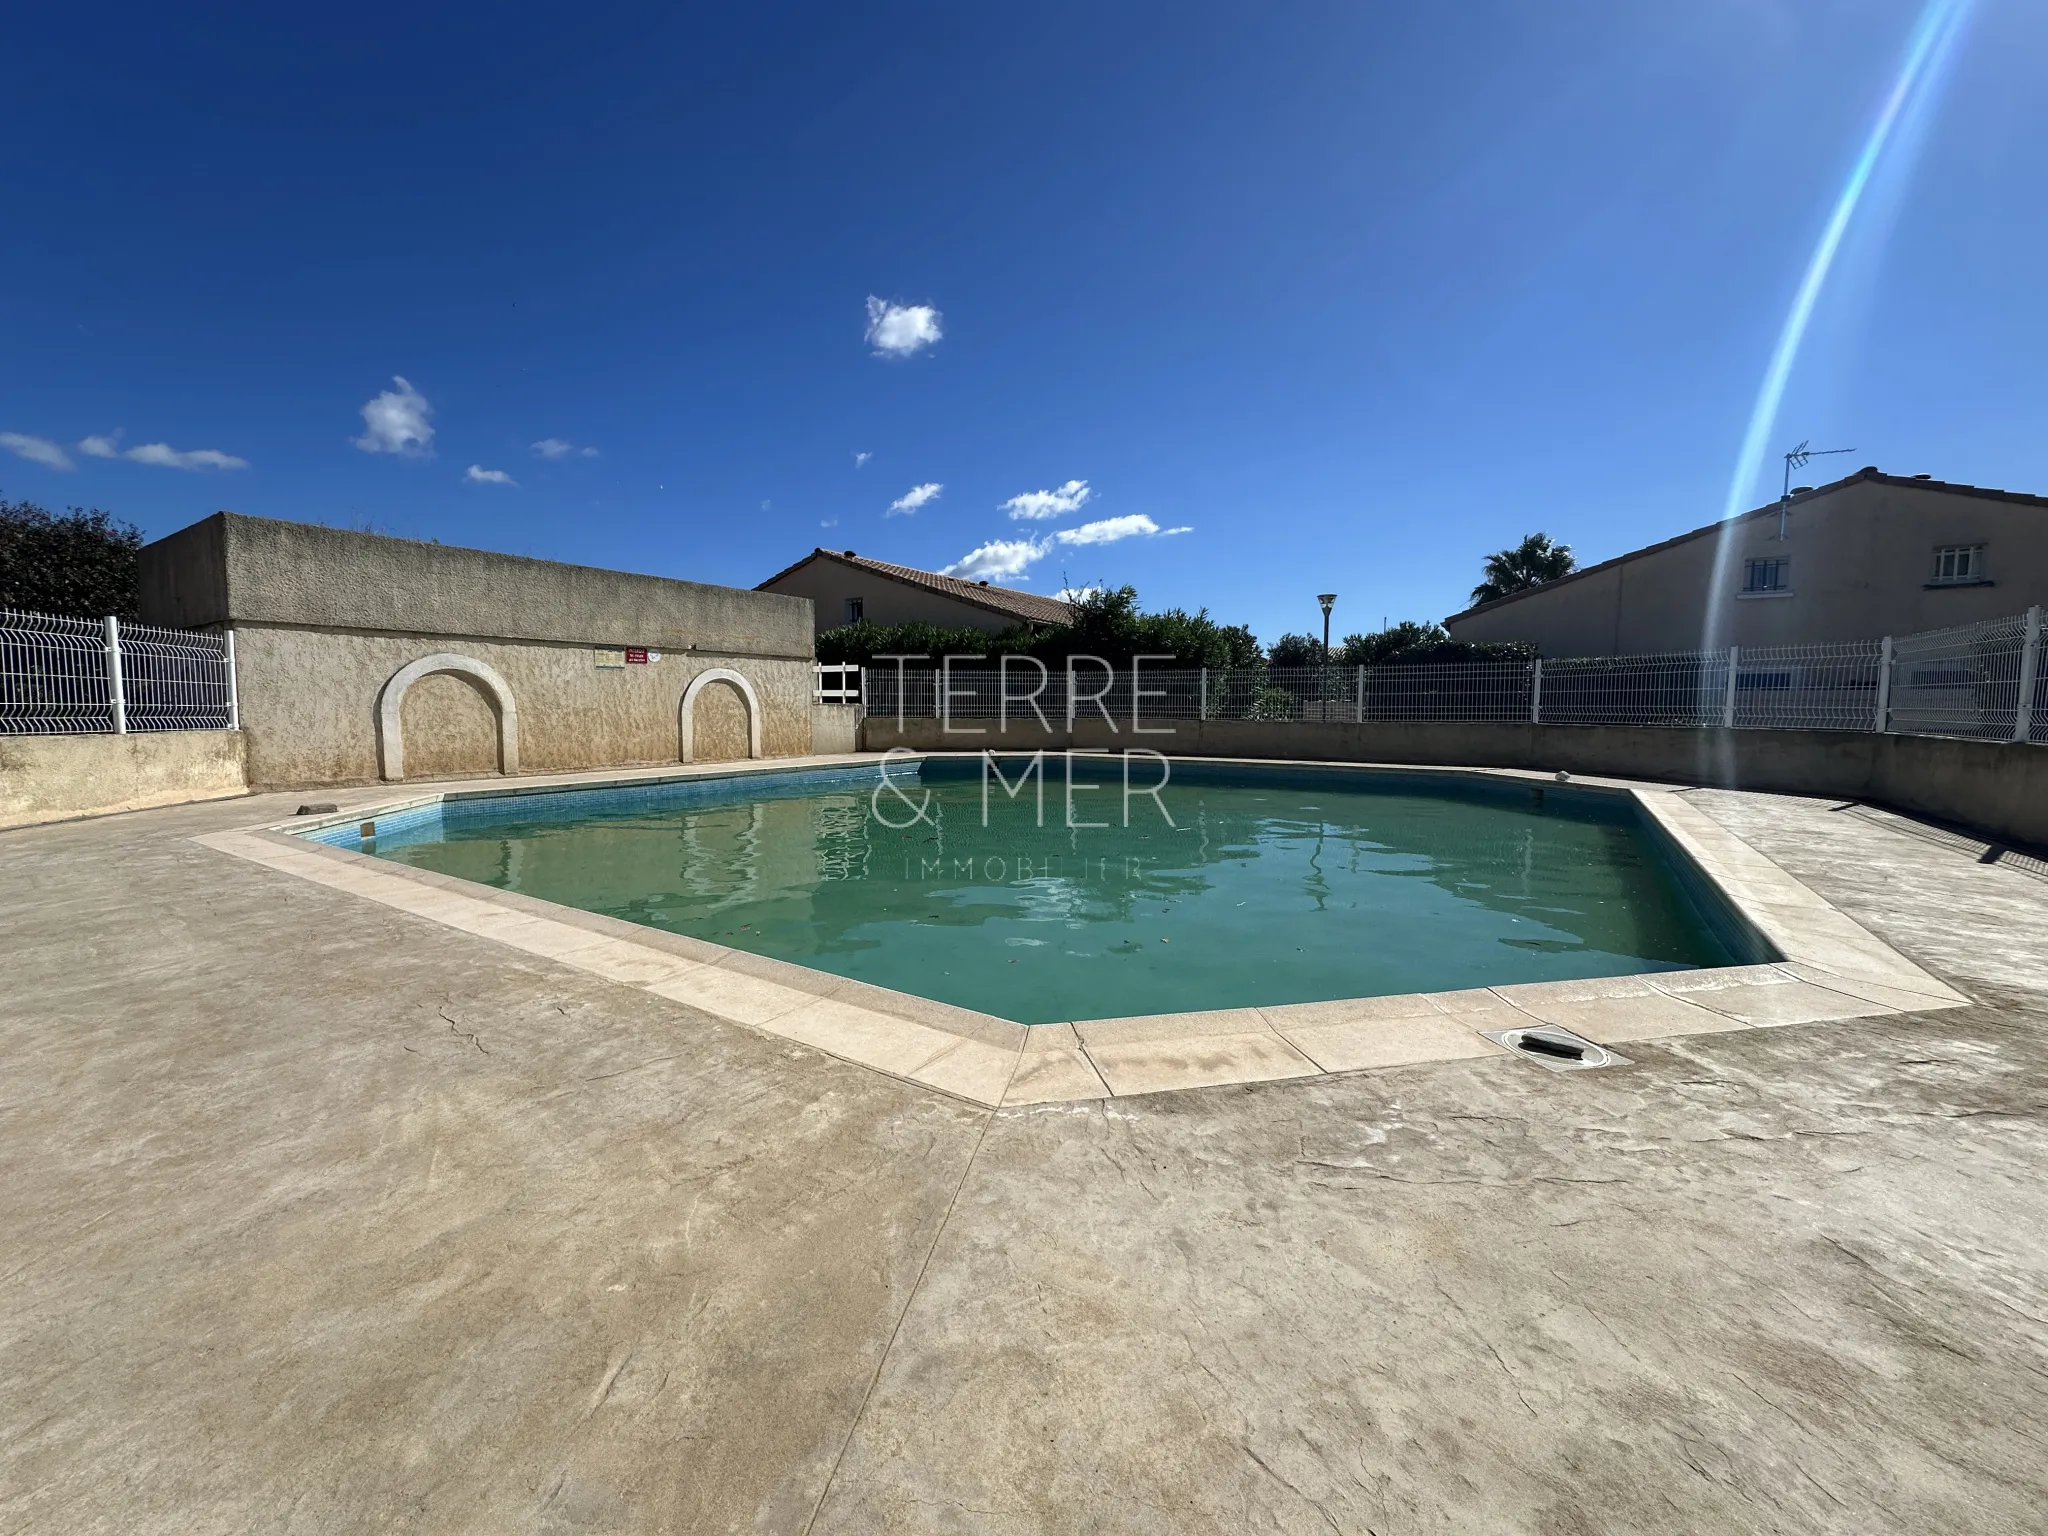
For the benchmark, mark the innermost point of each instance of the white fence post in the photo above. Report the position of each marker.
(1536, 692)
(1728, 705)
(2030, 669)
(116, 701)
(234, 690)
(1884, 688)
(1361, 695)
(1202, 708)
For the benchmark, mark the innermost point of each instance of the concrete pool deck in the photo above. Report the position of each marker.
(326, 1215)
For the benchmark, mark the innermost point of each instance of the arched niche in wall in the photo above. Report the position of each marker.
(391, 724)
(686, 726)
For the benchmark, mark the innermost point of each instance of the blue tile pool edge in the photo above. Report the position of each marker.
(469, 806)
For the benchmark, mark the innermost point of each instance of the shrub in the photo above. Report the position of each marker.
(80, 565)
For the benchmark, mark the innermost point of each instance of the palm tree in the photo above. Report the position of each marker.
(1529, 564)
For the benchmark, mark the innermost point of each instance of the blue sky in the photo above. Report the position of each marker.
(1353, 293)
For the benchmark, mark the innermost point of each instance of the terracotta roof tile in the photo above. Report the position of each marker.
(1025, 607)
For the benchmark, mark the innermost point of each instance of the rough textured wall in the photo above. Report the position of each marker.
(309, 702)
(835, 727)
(720, 733)
(49, 778)
(451, 727)
(238, 570)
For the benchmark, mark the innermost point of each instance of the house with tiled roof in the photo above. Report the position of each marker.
(1869, 555)
(845, 588)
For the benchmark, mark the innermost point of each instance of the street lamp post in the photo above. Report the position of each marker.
(1329, 601)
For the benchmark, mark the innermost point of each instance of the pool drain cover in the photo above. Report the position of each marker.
(1555, 1048)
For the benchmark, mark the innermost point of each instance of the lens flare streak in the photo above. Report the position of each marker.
(1932, 37)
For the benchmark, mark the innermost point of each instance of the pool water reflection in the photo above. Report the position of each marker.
(1275, 886)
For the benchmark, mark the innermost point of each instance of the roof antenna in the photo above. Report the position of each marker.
(1796, 459)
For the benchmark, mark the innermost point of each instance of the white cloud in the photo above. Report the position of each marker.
(107, 445)
(828, 522)
(914, 498)
(898, 330)
(476, 474)
(860, 459)
(1111, 529)
(1075, 594)
(996, 561)
(1037, 506)
(37, 450)
(164, 456)
(556, 448)
(398, 421)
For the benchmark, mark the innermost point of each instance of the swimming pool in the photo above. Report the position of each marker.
(1233, 885)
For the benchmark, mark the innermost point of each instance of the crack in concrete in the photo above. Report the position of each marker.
(853, 1426)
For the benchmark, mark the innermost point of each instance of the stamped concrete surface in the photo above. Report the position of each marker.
(320, 1217)
(323, 1216)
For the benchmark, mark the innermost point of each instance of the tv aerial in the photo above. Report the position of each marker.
(1798, 459)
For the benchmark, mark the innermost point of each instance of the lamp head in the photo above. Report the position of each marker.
(1327, 599)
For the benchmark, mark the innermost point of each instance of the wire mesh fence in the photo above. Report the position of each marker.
(62, 676)
(1809, 687)
(1685, 688)
(1961, 682)
(53, 675)
(1980, 681)
(176, 679)
(1023, 689)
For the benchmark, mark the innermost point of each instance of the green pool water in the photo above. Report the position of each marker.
(1273, 887)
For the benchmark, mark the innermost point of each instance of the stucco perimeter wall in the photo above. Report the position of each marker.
(2000, 789)
(50, 778)
(309, 702)
(835, 727)
(230, 569)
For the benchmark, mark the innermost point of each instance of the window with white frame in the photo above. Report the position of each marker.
(1772, 575)
(1958, 565)
(856, 610)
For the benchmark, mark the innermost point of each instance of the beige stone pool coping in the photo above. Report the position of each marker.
(1833, 968)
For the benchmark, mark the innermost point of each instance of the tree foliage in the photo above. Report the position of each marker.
(1529, 564)
(1106, 623)
(1370, 650)
(863, 642)
(1409, 643)
(78, 564)
(1295, 651)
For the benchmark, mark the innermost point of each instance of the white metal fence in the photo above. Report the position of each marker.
(71, 676)
(838, 683)
(1983, 681)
